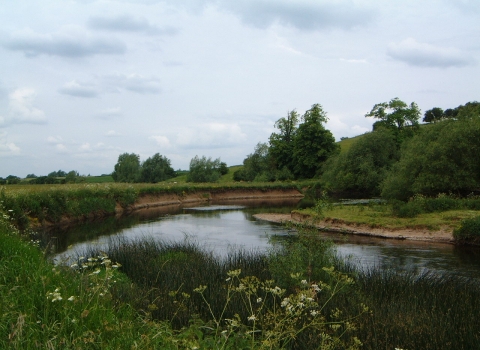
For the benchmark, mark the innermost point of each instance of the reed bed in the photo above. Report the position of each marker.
(406, 311)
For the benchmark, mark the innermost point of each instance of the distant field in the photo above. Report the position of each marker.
(223, 179)
(99, 179)
(345, 144)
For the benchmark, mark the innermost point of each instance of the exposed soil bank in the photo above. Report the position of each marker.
(441, 236)
(164, 199)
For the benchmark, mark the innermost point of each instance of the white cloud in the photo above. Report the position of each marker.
(61, 147)
(212, 135)
(358, 130)
(109, 113)
(85, 147)
(21, 109)
(352, 60)
(69, 42)
(74, 88)
(54, 139)
(112, 133)
(425, 55)
(128, 23)
(162, 141)
(7, 148)
(133, 82)
(301, 14)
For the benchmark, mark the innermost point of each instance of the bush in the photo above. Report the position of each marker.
(204, 170)
(469, 231)
(406, 210)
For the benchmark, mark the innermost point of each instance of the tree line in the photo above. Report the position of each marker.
(398, 161)
(54, 177)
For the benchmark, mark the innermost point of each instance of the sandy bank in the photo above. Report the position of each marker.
(441, 236)
(167, 199)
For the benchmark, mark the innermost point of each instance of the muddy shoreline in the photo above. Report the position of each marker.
(441, 236)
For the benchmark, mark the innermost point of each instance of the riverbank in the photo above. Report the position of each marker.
(442, 235)
(147, 201)
(40, 205)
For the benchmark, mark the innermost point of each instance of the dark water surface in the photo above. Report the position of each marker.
(230, 225)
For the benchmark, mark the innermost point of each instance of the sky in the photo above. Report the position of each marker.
(84, 81)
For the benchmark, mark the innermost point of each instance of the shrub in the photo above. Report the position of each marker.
(469, 231)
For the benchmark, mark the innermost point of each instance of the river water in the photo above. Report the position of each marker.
(222, 226)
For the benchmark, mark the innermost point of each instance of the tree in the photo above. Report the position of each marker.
(71, 176)
(156, 168)
(256, 165)
(442, 158)
(363, 167)
(223, 168)
(127, 168)
(204, 170)
(282, 143)
(313, 144)
(433, 115)
(395, 114)
(12, 180)
(59, 173)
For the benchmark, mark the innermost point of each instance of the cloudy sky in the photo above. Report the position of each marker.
(82, 82)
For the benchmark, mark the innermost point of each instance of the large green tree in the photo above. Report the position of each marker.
(282, 143)
(313, 144)
(156, 168)
(127, 168)
(362, 168)
(395, 114)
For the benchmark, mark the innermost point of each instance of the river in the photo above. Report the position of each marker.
(230, 225)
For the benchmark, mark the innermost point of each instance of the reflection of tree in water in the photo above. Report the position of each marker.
(64, 237)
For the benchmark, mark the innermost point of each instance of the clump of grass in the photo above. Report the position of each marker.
(469, 231)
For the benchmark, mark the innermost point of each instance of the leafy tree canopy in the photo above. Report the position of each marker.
(313, 144)
(395, 114)
(433, 115)
(281, 143)
(442, 158)
(204, 170)
(127, 168)
(362, 169)
(156, 168)
(256, 165)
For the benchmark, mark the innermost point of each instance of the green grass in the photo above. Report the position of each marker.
(381, 216)
(345, 144)
(99, 179)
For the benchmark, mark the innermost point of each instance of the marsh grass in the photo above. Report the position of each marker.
(420, 311)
